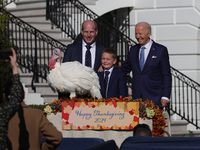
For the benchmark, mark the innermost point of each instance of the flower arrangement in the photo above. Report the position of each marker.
(154, 112)
(147, 109)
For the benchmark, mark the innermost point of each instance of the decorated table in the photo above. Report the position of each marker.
(76, 120)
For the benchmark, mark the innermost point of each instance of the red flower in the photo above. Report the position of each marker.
(131, 112)
(136, 119)
(130, 127)
(71, 104)
(115, 104)
(65, 116)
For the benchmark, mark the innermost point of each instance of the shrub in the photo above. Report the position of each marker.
(5, 69)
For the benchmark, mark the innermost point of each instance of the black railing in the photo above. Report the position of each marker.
(68, 15)
(185, 97)
(34, 48)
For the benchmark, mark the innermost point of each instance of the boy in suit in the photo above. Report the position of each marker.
(112, 80)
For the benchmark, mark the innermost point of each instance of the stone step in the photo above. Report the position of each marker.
(34, 13)
(40, 88)
(185, 134)
(38, 11)
(55, 34)
(42, 26)
(29, 42)
(28, 13)
(88, 2)
(43, 56)
(27, 4)
(26, 77)
(49, 97)
(34, 19)
(178, 125)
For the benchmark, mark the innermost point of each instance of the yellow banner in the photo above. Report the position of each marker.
(100, 115)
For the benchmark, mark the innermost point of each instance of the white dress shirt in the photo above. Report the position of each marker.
(146, 50)
(92, 51)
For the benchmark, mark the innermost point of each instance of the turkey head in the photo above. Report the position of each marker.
(56, 54)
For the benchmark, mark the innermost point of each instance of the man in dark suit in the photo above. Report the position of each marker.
(87, 52)
(114, 83)
(149, 63)
(79, 51)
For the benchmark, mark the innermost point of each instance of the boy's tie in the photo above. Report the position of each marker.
(88, 56)
(105, 83)
(142, 58)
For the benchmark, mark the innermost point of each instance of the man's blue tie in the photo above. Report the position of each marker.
(105, 84)
(142, 58)
(88, 56)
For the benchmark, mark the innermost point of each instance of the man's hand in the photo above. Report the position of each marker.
(100, 69)
(164, 102)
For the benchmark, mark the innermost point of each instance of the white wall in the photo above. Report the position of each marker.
(175, 24)
(104, 6)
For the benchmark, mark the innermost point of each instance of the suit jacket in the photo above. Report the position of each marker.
(154, 81)
(117, 84)
(25, 129)
(74, 53)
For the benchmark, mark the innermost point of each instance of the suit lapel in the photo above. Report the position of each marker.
(79, 49)
(97, 57)
(101, 80)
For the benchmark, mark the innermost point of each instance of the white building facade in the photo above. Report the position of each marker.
(175, 24)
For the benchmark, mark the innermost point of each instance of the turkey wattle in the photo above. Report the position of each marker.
(72, 77)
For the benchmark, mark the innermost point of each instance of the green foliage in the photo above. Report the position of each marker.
(191, 134)
(5, 69)
(1, 2)
(41, 107)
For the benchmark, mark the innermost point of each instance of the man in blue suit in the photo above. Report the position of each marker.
(87, 52)
(112, 80)
(78, 51)
(149, 63)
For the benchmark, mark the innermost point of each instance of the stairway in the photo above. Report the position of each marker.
(180, 128)
(34, 13)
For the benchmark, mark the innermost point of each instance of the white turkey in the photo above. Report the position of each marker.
(72, 77)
